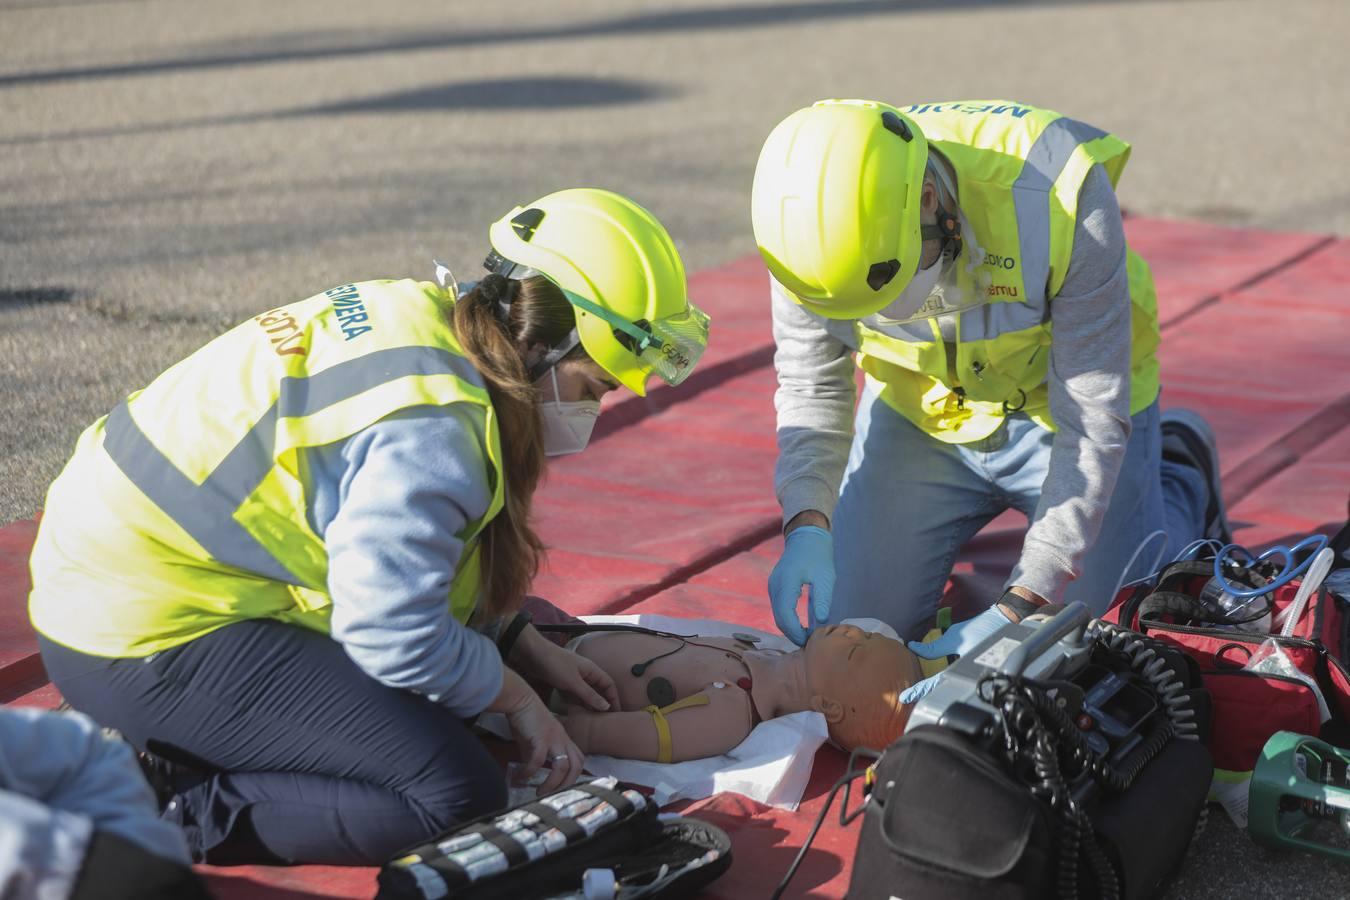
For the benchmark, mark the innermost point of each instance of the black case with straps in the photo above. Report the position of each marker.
(635, 844)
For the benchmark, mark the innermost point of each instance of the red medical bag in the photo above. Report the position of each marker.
(1250, 706)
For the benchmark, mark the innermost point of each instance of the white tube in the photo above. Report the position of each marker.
(1312, 580)
(1152, 569)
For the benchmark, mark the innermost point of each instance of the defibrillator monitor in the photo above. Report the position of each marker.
(1039, 648)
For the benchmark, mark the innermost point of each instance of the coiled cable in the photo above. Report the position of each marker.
(1146, 660)
(1047, 748)
(1036, 728)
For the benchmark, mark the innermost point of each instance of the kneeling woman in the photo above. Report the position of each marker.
(278, 566)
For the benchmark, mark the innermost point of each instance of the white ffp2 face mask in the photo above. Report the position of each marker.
(567, 426)
(912, 299)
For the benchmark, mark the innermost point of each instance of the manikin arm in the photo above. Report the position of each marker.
(695, 731)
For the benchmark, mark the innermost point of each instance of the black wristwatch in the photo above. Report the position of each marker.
(1018, 605)
(512, 632)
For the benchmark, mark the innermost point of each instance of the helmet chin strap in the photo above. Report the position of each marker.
(947, 230)
(554, 356)
(947, 227)
(500, 265)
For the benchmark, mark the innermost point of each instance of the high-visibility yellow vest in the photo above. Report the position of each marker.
(1018, 173)
(183, 510)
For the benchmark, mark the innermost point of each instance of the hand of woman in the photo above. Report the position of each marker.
(538, 733)
(560, 668)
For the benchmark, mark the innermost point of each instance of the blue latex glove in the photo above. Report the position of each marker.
(958, 640)
(808, 559)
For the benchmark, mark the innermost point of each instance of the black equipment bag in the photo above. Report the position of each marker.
(544, 848)
(945, 821)
(1091, 785)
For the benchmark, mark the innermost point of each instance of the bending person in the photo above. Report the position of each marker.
(972, 256)
(263, 564)
(686, 697)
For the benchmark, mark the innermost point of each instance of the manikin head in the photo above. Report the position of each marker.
(854, 679)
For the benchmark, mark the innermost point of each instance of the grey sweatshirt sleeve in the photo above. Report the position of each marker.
(398, 493)
(814, 401)
(1089, 386)
(60, 781)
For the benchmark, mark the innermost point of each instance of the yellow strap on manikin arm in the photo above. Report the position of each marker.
(664, 750)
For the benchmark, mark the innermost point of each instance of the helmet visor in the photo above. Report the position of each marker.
(668, 347)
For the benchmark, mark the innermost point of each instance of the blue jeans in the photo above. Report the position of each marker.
(304, 757)
(909, 502)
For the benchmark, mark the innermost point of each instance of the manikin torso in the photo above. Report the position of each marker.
(701, 696)
(695, 667)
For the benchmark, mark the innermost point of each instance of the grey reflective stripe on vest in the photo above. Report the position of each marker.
(206, 511)
(1031, 199)
(984, 323)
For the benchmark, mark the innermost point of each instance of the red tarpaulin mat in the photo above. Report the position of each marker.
(671, 510)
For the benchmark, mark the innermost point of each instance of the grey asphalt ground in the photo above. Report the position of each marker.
(169, 168)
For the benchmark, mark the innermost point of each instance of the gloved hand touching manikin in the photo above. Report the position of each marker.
(807, 560)
(958, 640)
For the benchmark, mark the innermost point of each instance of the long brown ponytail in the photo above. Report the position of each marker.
(495, 322)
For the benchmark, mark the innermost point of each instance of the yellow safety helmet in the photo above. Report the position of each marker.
(619, 268)
(835, 205)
